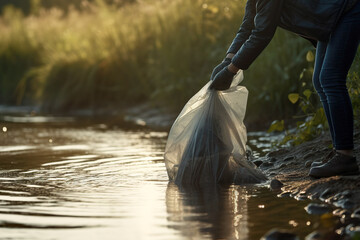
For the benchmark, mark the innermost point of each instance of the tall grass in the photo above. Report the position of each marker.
(159, 51)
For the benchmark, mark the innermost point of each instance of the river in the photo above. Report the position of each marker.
(67, 179)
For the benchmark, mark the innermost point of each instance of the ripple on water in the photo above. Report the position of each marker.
(8, 149)
(107, 184)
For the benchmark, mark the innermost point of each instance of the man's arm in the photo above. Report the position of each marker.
(246, 27)
(265, 23)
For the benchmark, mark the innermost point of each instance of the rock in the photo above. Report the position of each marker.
(301, 197)
(258, 162)
(341, 212)
(308, 163)
(346, 194)
(283, 165)
(345, 219)
(314, 196)
(314, 236)
(276, 234)
(290, 158)
(284, 194)
(272, 159)
(276, 184)
(294, 193)
(317, 209)
(326, 194)
(339, 196)
(352, 230)
(345, 203)
(309, 155)
(340, 231)
(356, 213)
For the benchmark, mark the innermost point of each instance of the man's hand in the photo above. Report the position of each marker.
(219, 67)
(223, 79)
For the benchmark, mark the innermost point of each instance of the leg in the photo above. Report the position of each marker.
(339, 55)
(319, 60)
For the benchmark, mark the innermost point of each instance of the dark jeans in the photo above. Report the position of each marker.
(332, 63)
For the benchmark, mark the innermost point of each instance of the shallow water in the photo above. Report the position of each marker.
(83, 180)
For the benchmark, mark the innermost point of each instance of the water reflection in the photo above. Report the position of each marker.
(216, 212)
(108, 183)
(234, 212)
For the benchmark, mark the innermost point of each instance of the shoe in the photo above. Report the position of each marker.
(325, 159)
(338, 165)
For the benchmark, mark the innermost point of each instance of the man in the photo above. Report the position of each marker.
(333, 26)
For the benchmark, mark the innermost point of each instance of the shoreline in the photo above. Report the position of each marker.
(289, 165)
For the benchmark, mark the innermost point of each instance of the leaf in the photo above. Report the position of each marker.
(293, 97)
(277, 126)
(310, 56)
(319, 117)
(307, 93)
(213, 9)
(302, 74)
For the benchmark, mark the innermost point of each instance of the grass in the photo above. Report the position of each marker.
(163, 51)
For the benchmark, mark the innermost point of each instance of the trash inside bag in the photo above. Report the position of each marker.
(207, 142)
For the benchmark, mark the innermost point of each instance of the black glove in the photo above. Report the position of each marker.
(222, 80)
(219, 67)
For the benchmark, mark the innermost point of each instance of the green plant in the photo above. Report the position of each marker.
(98, 55)
(313, 117)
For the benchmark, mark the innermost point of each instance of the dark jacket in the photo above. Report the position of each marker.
(312, 19)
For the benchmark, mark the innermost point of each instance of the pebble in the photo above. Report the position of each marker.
(356, 213)
(317, 209)
(276, 184)
(276, 234)
(308, 155)
(340, 231)
(308, 163)
(352, 230)
(325, 194)
(347, 219)
(314, 236)
(283, 165)
(284, 194)
(347, 194)
(339, 196)
(289, 158)
(301, 197)
(314, 196)
(272, 159)
(341, 212)
(345, 203)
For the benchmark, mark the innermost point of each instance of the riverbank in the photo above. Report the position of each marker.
(339, 195)
(288, 165)
(291, 166)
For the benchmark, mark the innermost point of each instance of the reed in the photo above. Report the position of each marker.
(101, 56)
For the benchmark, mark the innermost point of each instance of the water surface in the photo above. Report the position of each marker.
(71, 180)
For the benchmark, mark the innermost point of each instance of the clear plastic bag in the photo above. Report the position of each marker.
(207, 142)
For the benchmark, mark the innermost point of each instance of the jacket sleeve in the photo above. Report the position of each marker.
(265, 23)
(246, 27)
